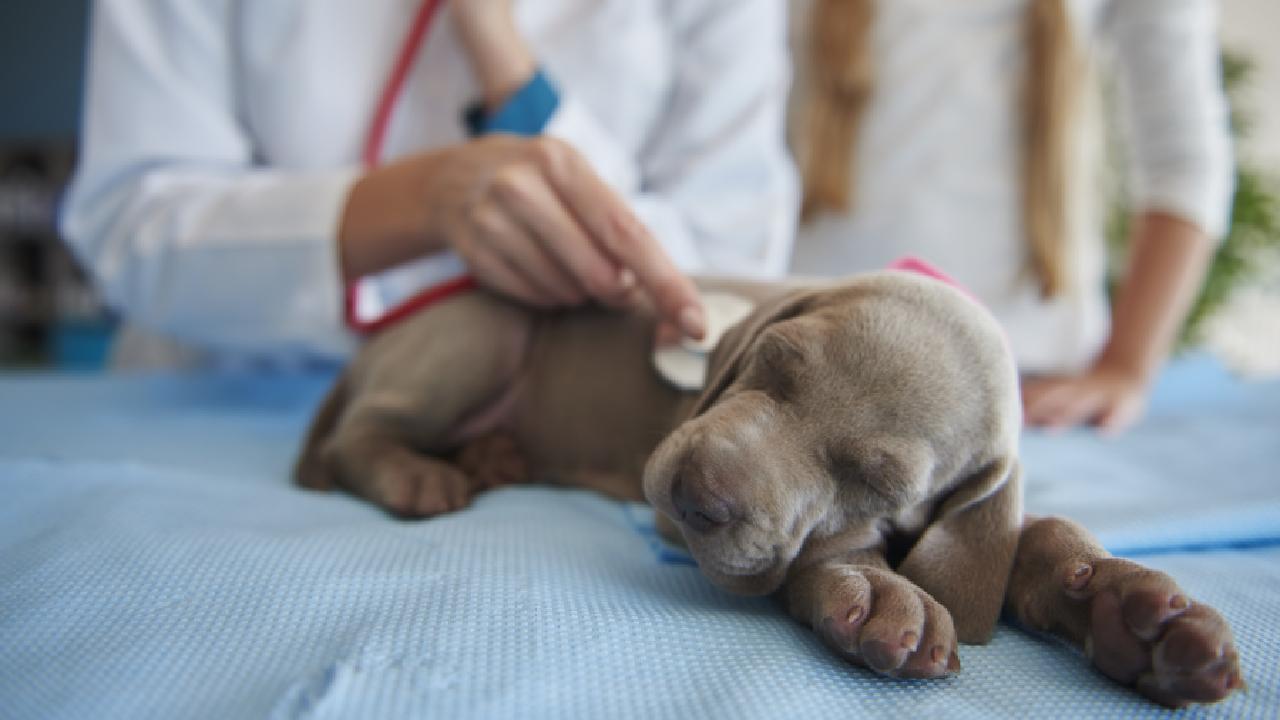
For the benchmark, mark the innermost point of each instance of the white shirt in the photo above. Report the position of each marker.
(937, 168)
(221, 138)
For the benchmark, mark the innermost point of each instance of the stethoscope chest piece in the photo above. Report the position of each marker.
(683, 364)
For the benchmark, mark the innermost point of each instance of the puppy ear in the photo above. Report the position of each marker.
(722, 366)
(964, 558)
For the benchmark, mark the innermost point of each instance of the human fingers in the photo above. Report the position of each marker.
(665, 335)
(1080, 407)
(1030, 390)
(1121, 413)
(1043, 399)
(492, 270)
(613, 228)
(528, 196)
(508, 237)
(1066, 402)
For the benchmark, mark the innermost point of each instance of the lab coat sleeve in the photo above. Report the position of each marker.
(1176, 117)
(183, 232)
(714, 183)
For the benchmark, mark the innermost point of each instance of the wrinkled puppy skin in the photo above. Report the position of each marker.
(856, 449)
(854, 453)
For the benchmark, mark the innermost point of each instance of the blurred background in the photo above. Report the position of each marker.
(49, 315)
(51, 318)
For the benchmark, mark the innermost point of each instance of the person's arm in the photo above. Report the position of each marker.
(500, 57)
(188, 234)
(1168, 257)
(528, 215)
(180, 229)
(714, 185)
(1167, 260)
(1171, 95)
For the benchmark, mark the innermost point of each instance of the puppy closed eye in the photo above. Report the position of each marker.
(882, 477)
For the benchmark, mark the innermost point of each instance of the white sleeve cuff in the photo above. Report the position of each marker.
(1203, 198)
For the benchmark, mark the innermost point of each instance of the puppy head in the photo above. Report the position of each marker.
(839, 419)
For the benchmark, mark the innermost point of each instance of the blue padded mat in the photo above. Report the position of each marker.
(1201, 470)
(155, 562)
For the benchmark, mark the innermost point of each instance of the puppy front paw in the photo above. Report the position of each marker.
(877, 618)
(1144, 631)
(410, 485)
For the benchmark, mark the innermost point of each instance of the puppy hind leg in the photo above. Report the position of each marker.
(310, 470)
(390, 453)
(1135, 624)
(411, 390)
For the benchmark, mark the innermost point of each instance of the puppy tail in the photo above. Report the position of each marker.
(311, 470)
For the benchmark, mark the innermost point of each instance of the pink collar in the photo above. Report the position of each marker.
(910, 263)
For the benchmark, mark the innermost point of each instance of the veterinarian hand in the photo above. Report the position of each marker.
(529, 216)
(1107, 397)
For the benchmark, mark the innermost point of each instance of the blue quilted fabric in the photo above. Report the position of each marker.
(155, 562)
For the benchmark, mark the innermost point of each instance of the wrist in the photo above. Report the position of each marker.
(1167, 259)
(1119, 361)
(500, 58)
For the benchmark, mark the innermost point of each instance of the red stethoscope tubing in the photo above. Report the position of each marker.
(373, 157)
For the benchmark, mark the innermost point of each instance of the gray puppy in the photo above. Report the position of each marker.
(854, 453)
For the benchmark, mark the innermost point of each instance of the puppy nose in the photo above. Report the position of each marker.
(700, 510)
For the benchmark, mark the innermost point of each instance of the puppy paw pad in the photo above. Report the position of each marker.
(841, 630)
(1078, 577)
(883, 656)
(1146, 632)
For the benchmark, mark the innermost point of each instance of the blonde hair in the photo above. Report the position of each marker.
(842, 80)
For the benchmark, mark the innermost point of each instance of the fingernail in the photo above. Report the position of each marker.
(855, 614)
(693, 322)
(1178, 602)
(626, 279)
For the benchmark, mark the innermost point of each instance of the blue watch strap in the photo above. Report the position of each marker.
(526, 112)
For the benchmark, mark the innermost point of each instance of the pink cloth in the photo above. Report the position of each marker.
(916, 265)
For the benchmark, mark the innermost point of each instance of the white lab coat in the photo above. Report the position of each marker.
(938, 160)
(221, 138)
